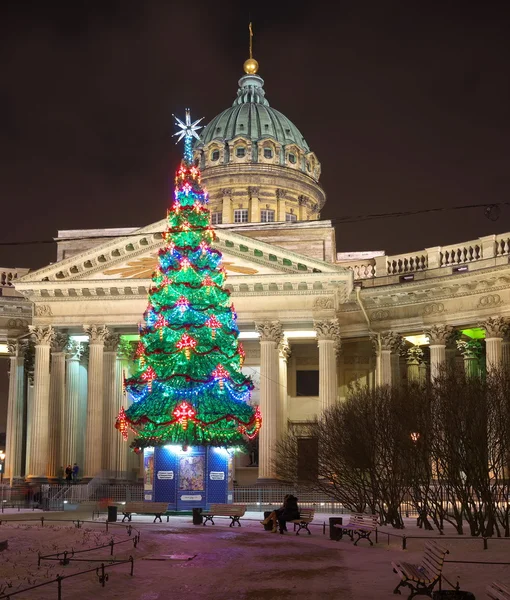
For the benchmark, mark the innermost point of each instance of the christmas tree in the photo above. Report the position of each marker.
(187, 386)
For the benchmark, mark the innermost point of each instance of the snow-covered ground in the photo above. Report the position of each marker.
(241, 563)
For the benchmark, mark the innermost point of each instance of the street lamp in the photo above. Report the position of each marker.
(415, 436)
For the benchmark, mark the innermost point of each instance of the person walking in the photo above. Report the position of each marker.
(69, 473)
(76, 470)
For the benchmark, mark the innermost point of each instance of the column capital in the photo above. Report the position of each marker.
(43, 336)
(328, 330)
(74, 350)
(59, 342)
(389, 340)
(111, 342)
(495, 327)
(470, 348)
(13, 347)
(439, 335)
(127, 349)
(414, 355)
(96, 333)
(284, 349)
(270, 331)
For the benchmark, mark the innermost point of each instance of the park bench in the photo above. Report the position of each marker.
(360, 524)
(498, 591)
(145, 508)
(233, 511)
(306, 516)
(422, 578)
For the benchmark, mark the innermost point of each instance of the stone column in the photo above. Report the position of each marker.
(29, 349)
(124, 354)
(471, 351)
(271, 334)
(495, 330)
(227, 216)
(110, 410)
(15, 409)
(414, 358)
(281, 208)
(284, 355)
(40, 406)
(57, 403)
(71, 425)
(254, 204)
(438, 335)
(505, 351)
(385, 343)
(328, 340)
(94, 429)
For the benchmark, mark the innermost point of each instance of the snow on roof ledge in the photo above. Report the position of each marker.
(341, 256)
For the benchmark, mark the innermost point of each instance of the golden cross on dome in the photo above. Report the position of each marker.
(251, 66)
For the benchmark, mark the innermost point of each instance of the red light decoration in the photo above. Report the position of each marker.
(186, 343)
(122, 424)
(183, 413)
(149, 376)
(140, 350)
(160, 324)
(242, 353)
(256, 429)
(220, 373)
(208, 282)
(214, 324)
(182, 303)
(185, 264)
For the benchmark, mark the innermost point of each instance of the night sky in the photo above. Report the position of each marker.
(405, 103)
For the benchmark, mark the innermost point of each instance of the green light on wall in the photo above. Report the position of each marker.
(130, 337)
(477, 333)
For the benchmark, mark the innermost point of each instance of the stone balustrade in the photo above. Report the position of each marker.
(474, 254)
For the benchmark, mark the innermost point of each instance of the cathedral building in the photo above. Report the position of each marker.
(313, 321)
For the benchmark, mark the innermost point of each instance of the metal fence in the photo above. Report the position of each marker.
(259, 499)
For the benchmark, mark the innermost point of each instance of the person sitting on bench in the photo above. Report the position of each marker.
(288, 512)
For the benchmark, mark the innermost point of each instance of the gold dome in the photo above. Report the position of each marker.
(251, 66)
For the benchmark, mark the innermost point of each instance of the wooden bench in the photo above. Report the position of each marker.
(360, 524)
(498, 591)
(306, 516)
(233, 511)
(145, 508)
(422, 578)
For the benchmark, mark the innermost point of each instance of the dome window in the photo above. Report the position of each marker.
(215, 155)
(240, 152)
(292, 158)
(308, 166)
(268, 153)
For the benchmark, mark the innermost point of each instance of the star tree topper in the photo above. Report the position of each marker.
(188, 131)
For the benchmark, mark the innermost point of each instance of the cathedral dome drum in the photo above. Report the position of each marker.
(256, 164)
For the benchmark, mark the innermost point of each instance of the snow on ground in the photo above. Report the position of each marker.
(241, 563)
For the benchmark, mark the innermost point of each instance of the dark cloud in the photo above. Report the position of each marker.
(405, 104)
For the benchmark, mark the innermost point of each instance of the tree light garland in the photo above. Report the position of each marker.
(187, 385)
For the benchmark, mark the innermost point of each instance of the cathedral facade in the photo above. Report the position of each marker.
(313, 321)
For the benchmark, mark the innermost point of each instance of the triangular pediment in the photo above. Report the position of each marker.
(134, 256)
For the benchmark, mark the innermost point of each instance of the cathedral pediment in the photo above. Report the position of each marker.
(134, 257)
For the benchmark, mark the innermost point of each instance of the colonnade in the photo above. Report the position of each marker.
(71, 411)
(71, 400)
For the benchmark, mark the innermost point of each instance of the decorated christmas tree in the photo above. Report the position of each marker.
(187, 386)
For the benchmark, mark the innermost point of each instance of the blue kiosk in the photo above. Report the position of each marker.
(188, 478)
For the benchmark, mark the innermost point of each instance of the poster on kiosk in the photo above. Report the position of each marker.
(189, 478)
